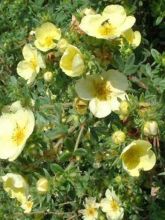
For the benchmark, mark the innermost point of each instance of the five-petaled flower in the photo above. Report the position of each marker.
(31, 65)
(103, 91)
(16, 125)
(111, 205)
(90, 212)
(109, 25)
(47, 36)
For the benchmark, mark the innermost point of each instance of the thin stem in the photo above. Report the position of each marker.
(79, 137)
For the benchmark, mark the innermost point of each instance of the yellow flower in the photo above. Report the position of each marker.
(16, 186)
(109, 25)
(112, 206)
(103, 91)
(90, 212)
(118, 137)
(27, 206)
(42, 185)
(132, 37)
(151, 128)
(47, 36)
(72, 62)
(138, 156)
(30, 66)
(16, 125)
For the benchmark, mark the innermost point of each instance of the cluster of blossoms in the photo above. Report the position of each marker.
(103, 93)
(110, 205)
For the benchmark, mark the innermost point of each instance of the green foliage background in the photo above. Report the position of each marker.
(95, 165)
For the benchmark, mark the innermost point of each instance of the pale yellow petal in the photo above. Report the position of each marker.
(127, 24)
(100, 109)
(91, 23)
(78, 64)
(114, 103)
(115, 13)
(147, 162)
(85, 88)
(29, 52)
(137, 39)
(25, 70)
(117, 79)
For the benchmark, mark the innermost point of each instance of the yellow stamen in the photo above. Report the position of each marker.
(114, 205)
(107, 29)
(48, 41)
(102, 89)
(19, 135)
(91, 211)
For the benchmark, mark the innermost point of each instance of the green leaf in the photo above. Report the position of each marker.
(158, 20)
(80, 152)
(156, 55)
(55, 168)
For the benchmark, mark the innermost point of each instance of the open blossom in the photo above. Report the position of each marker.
(111, 205)
(31, 65)
(138, 156)
(72, 62)
(90, 212)
(16, 125)
(103, 91)
(132, 37)
(47, 36)
(109, 25)
(16, 186)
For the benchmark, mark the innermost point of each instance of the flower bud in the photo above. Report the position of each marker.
(124, 108)
(150, 128)
(42, 185)
(62, 45)
(80, 106)
(118, 137)
(48, 76)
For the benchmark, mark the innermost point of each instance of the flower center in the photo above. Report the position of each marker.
(19, 135)
(91, 211)
(114, 205)
(48, 41)
(33, 63)
(107, 29)
(102, 89)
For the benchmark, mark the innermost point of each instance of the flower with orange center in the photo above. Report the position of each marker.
(16, 125)
(111, 205)
(31, 65)
(90, 212)
(104, 92)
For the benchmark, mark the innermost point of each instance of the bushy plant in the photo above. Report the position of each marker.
(82, 109)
